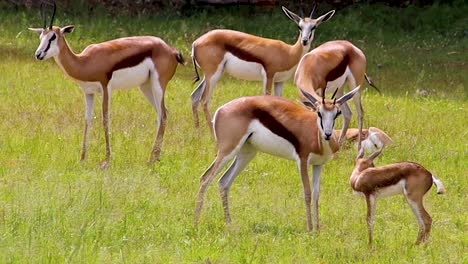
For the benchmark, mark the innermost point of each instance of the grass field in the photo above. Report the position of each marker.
(55, 209)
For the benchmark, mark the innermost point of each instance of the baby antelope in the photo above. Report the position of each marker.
(372, 138)
(407, 178)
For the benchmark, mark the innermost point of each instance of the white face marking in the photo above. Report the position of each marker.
(326, 121)
(266, 141)
(47, 46)
(242, 69)
(307, 30)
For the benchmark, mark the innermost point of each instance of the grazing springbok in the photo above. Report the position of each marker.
(248, 57)
(407, 178)
(278, 127)
(330, 66)
(372, 138)
(147, 62)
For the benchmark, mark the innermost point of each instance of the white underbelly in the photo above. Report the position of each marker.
(242, 69)
(391, 190)
(126, 78)
(266, 141)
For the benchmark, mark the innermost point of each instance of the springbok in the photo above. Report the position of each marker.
(407, 178)
(330, 66)
(372, 138)
(146, 61)
(248, 57)
(278, 127)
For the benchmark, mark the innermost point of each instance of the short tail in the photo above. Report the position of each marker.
(371, 83)
(439, 185)
(180, 59)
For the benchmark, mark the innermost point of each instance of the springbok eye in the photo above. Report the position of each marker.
(53, 37)
(299, 27)
(375, 145)
(338, 113)
(319, 114)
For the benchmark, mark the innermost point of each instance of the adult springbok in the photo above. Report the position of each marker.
(147, 62)
(278, 127)
(248, 57)
(407, 178)
(330, 66)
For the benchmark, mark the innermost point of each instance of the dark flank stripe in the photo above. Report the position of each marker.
(130, 61)
(338, 70)
(241, 54)
(276, 127)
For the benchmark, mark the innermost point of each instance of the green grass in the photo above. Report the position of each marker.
(55, 209)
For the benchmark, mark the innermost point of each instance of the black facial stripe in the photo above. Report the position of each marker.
(50, 41)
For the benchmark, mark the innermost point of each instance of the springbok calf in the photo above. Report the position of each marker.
(147, 62)
(248, 57)
(372, 138)
(407, 178)
(330, 66)
(278, 127)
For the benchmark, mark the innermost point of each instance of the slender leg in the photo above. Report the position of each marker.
(317, 170)
(155, 95)
(195, 97)
(268, 85)
(279, 88)
(245, 155)
(106, 101)
(360, 114)
(205, 100)
(422, 217)
(302, 164)
(206, 179)
(370, 200)
(89, 100)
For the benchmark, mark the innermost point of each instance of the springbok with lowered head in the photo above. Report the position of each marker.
(330, 66)
(248, 57)
(407, 178)
(146, 62)
(372, 138)
(278, 127)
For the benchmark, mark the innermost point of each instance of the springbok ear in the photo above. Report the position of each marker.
(67, 29)
(36, 30)
(295, 18)
(375, 154)
(312, 100)
(348, 95)
(325, 17)
(360, 153)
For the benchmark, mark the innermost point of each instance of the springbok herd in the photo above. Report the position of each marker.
(246, 125)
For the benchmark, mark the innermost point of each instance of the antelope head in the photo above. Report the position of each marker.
(307, 25)
(328, 110)
(50, 37)
(362, 163)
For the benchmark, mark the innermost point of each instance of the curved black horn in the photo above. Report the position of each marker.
(323, 95)
(334, 93)
(43, 16)
(313, 10)
(53, 17)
